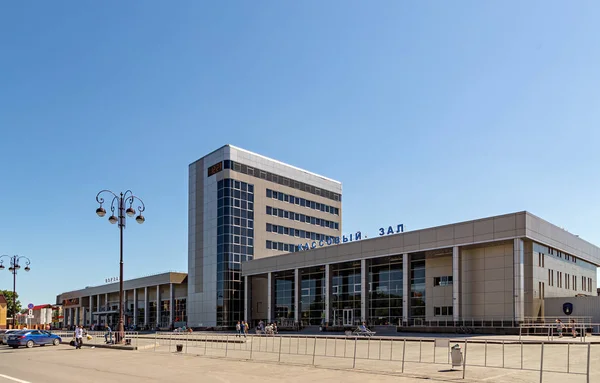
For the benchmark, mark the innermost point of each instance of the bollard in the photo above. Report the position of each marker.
(379, 357)
(369, 348)
(403, 353)
(279, 358)
(335, 346)
(325, 346)
(354, 361)
(588, 362)
(465, 358)
(391, 348)
(521, 355)
(542, 364)
(502, 354)
(485, 354)
(206, 343)
(568, 356)
(420, 350)
(226, 345)
(345, 346)
(155, 340)
(314, 350)
(251, 346)
(434, 351)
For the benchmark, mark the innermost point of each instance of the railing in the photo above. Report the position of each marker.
(384, 354)
(550, 330)
(98, 337)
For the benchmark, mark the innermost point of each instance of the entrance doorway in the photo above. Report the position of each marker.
(347, 317)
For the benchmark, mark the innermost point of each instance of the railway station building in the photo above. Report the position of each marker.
(498, 269)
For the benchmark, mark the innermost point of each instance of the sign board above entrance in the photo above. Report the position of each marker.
(350, 238)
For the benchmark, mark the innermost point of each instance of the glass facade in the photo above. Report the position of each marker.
(165, 307)
(140, 314)
(417, 286)
(385, 291)
(312, 295)
(180, 310)
(152, 314)
(235, 244)
(345, 293)
(284, 295)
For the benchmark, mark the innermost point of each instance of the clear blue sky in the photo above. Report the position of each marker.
(428, 112)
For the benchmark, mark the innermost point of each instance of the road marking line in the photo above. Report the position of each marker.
(13, 379)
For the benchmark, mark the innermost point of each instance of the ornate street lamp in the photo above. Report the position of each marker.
(14, 267)
(121, 201)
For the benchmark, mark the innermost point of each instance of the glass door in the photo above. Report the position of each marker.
(348, 317)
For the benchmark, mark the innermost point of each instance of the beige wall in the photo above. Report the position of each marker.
(554, 289)
(437, 296)
(3, 312)
(487, 282)
(259, 298)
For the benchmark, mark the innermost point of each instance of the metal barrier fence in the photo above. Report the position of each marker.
(382, 353)
(550, 330)
(98, 337)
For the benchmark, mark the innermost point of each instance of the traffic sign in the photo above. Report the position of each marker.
(30, 314)
(30, 306)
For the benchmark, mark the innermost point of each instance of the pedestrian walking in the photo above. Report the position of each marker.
(78, 337)
(559, 327)
(238, 329)
(243, 329)
(573, 328)
(108, 334)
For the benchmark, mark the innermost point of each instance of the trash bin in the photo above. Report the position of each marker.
(179, 347)
(456, 356)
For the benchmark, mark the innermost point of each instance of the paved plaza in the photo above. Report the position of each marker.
(225, 358)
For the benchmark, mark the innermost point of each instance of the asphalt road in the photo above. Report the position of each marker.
(65, 364)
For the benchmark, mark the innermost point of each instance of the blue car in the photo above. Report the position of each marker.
(30, 338)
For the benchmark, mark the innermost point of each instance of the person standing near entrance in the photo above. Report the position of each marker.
(78, 337)
(108, 334)
(238, 329)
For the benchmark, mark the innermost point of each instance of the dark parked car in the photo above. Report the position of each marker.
(30, 338)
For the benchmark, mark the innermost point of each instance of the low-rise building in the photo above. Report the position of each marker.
(496, 270)
(3, 312)
(157, 301)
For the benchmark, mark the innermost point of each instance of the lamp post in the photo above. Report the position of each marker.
(121, 200)
(14, 267)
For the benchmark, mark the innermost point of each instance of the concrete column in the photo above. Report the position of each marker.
(98, 309)
(77, 313)
(158, 306)
(270, 295)
(245, 298)
(106, 304)
(327, 293)
(146, 304)
(135, 307)
(405, 288)
(363, 290)
(297, 295)
(91, 310)
(519, 280)
(456, 281)
(171, 304)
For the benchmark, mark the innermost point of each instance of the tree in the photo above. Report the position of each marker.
(9, 300)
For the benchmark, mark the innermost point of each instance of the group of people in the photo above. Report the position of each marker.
(560, 327)
(269, 329)
(80, 332)
(241, 328)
